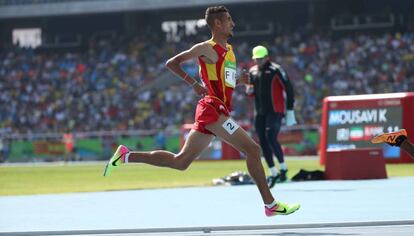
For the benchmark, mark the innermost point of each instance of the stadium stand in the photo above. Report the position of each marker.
(96, 89)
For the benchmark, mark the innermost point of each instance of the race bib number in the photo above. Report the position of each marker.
(230, 74)
(230, 126)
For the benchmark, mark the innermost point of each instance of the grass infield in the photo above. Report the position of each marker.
(84, 177)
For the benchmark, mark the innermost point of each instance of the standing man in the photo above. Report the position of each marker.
(274, 99)
(218, 73)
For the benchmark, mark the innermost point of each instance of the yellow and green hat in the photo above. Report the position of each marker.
(259, 52)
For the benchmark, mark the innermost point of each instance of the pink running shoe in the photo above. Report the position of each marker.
(281, 209)
(117, 159)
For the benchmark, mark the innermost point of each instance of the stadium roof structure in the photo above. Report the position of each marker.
(74, 7)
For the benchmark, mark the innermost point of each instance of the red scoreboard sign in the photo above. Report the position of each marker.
(349, 122)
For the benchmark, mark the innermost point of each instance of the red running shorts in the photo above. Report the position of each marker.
(208, 111)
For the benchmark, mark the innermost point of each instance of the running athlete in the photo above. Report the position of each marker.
(218, 73)
(398, 139)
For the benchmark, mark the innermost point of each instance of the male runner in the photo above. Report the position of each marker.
(218, 73)
(398, 139)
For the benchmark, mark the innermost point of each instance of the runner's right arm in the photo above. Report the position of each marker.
(174, 65)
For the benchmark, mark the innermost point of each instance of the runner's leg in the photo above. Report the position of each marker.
(243, 142)
(195, 143)
(408, 147)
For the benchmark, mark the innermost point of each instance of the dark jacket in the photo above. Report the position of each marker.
(271, 88)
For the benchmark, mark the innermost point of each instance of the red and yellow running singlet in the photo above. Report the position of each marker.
(220, 77)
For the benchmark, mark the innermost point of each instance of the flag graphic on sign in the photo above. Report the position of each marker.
(357, 133)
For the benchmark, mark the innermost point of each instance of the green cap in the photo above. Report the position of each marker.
(259, 52)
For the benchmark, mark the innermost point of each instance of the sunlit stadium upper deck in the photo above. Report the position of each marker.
(38, 8)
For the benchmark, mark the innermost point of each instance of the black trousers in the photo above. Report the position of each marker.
(267, 128)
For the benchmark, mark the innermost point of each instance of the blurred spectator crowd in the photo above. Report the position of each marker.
(360, 64)
(97, 88)
(20, 2)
